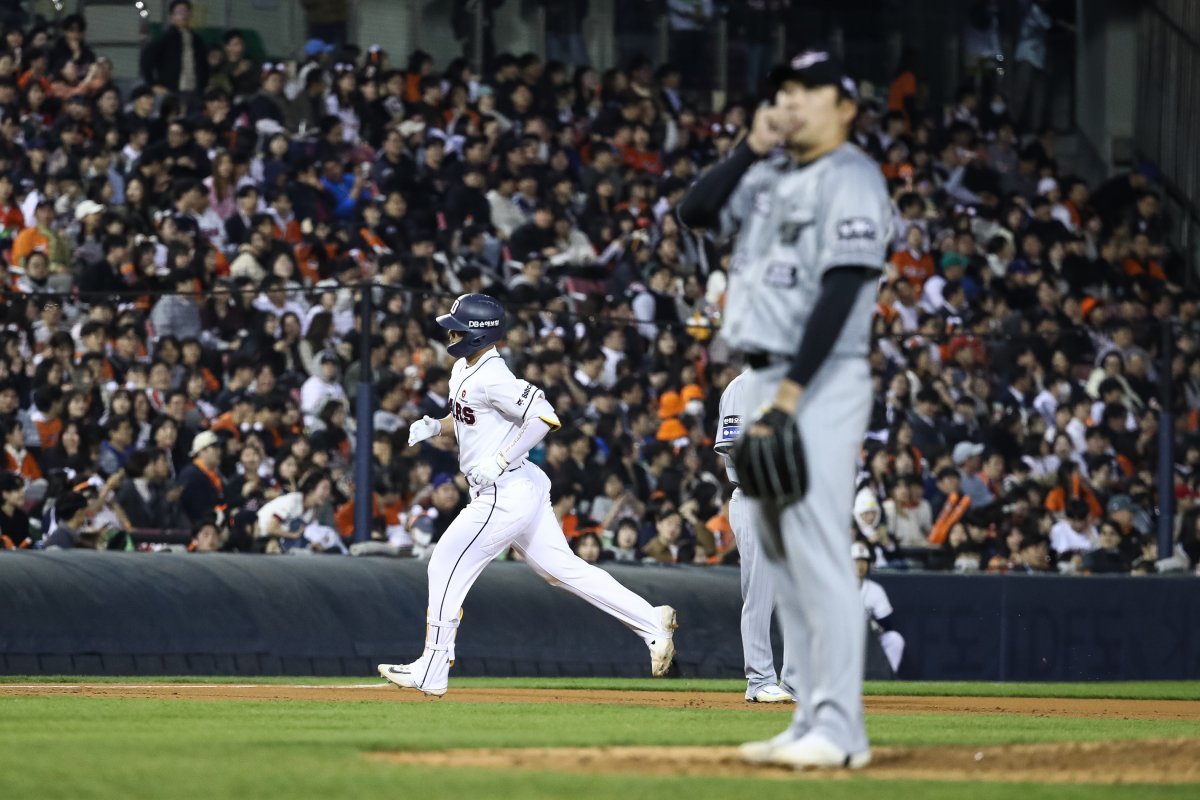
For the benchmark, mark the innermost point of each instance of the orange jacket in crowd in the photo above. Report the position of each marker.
(23, 463)
(955, 508)
(1056, 498)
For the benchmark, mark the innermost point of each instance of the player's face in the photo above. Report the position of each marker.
(454, 337)
(819, 114)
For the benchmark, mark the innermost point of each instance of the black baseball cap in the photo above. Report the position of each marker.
(815, 68)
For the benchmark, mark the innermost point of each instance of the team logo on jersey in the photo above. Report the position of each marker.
(781, 276)
(731, 426)
(856, 229)
(464, 394)
(525, 394)
(463, 413)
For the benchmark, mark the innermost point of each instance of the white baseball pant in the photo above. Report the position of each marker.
(758, 602)
(515, 512)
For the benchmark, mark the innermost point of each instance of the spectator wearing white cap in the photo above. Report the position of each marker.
(968, 459)
(203, 494)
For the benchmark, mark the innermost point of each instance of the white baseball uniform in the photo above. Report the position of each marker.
(878, 608)
(491, 408)
(758, 585)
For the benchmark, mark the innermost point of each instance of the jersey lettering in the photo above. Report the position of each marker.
(525, 394)
(784, 276)
(463, 413)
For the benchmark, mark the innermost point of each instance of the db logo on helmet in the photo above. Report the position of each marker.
(487, 323)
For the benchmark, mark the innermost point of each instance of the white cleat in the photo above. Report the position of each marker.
(662, 649)
(813, 750)
(409, 676)
(761, 752)
(769, 694)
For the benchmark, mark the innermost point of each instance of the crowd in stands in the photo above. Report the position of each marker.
(180, 345)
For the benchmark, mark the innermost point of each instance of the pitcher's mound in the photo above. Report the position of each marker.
(1142, 761)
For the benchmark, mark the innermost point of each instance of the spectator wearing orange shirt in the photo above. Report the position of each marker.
(639, 155)
(16, 457)
(1140, 261)
(912, 263)
(902, 94)
(40, 236)
(39, 65)
(1072, 486)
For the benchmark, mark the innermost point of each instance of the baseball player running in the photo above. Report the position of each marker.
(758, 589)
(497, 419)
(813, 216)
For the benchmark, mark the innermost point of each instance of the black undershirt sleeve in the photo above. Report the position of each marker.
(839, 292)
(701, 206)
(888, 623)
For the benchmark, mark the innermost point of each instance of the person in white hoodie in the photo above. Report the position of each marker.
(320, 388)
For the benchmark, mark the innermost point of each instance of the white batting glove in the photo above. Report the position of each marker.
(486, 472)
(425, 428)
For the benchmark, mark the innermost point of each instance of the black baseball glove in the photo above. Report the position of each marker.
(772, 467)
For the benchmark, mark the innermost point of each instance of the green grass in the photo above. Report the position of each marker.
(1124, 690)
(65, 746)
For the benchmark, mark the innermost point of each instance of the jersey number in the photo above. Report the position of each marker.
(462, 413)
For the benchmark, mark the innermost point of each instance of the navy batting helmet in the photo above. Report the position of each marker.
(477, 316)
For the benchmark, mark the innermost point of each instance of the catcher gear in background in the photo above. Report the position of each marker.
(772, 467)
(478, 316)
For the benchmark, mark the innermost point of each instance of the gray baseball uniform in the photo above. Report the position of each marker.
(796, 223)
(758, 587)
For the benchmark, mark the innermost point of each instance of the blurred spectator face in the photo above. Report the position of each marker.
(948, 484)
(181, 15)
(396, 206)
(957, 536)
(445, 497)
(1110, 536)
(626, 537)
(177, 135)
(208, 539)
(670, 527)
(587, 547)
(37, 267)
(210, 457)
(235, 49)
(1147, 206)
(1034, 554)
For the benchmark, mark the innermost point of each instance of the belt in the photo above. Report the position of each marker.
(762, 360)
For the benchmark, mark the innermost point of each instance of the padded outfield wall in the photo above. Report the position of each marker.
(92, 613)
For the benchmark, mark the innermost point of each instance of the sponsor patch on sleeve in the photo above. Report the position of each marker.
(856, 229)
(731, 426)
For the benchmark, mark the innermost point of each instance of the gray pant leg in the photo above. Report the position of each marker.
(819, 600)
(758, 598)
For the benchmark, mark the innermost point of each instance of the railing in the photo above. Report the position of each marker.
(1168, 108)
